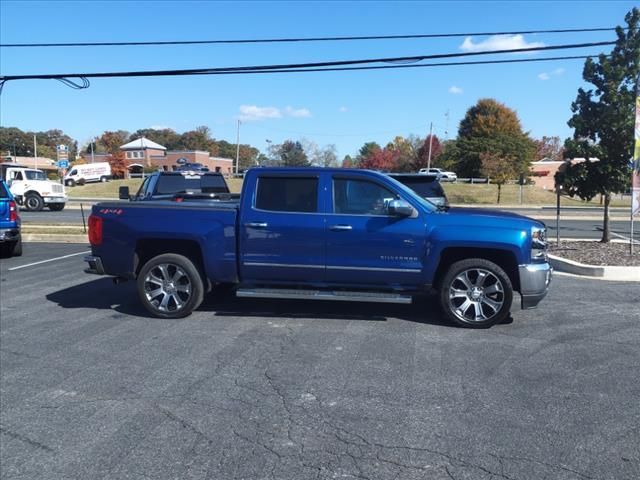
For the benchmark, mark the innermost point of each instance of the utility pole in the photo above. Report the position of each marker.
(91, 143)
(446, 127)
(238, 147)
(35, 150)
(430, 145)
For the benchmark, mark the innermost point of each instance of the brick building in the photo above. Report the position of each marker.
(143, 153)
(543, 171)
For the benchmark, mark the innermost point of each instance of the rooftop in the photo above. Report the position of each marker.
(142, 143)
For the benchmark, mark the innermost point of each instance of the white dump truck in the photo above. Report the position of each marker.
(32, 189)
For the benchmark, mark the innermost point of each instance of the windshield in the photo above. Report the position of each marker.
(425, 186)
(35, 175)
(410, 193)
(170, 184)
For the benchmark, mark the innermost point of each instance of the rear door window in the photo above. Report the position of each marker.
(287, 194)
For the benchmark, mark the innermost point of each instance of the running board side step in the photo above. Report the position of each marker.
(376, 297)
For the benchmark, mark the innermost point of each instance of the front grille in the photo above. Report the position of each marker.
(57, 188)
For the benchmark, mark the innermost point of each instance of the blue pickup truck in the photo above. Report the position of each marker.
(10, 237)
(322, 234)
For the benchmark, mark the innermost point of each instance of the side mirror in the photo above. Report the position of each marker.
(400, 208)
(123, 193)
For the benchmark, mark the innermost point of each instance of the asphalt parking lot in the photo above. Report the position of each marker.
(91, 388)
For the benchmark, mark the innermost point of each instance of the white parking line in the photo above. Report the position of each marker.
(49, 260)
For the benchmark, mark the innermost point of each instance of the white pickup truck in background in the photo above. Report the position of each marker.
(32, 189)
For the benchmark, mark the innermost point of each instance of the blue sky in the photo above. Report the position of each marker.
(341, 108)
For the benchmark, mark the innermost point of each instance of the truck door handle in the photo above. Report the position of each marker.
(340, 228)
(256, 225)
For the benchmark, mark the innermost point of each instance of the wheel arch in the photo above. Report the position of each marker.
(505, 259)
(148, 248)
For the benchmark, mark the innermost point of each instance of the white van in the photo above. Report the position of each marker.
(89, 172)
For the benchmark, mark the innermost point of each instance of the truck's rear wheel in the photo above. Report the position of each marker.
(70, 183)
(170, 286)
(103, 179)
(33, 202)
(476, 293)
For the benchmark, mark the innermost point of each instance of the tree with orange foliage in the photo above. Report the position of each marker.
(119, 167)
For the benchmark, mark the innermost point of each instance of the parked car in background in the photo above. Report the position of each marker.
(427, 186)
(32, 189)
(10, 238)
(322, 234)
(181, 185)
(88, 172)
(443, 175)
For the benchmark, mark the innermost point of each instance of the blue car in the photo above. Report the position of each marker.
(10, 238)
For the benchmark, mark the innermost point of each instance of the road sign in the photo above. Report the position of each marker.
(63, 164)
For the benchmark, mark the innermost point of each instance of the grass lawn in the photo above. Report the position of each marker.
(464, 193)
(458, 193)
(103, 190)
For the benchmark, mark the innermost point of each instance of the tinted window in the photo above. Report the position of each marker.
(287, 194)
(170, 184)
(360, 197)
(3, 191)
(425, 187)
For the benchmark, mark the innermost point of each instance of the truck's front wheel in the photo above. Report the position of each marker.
(170, 286)
(33, 202)
(476, 293)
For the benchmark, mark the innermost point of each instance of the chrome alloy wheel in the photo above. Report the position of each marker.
(167, 287)
(476, 295)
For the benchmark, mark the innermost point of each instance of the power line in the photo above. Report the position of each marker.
(316, 66)
(302, 39)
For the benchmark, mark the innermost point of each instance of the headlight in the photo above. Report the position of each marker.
(538, 243)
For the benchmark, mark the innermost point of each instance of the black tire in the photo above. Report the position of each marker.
(103, 179)
(476, 293)
(81, 181)
(56, 207)
(33, 202)
(182, 283)
(70, 183)
(16, 248)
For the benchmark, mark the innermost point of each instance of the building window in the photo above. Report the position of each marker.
(128, 154)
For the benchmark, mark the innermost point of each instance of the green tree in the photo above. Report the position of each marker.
(110, 142)
(603, 122)
(498, 168)
(292, 154)
(490, 127)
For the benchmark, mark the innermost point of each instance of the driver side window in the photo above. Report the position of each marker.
(360, 197)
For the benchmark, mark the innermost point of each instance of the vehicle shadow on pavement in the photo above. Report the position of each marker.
(102, 294)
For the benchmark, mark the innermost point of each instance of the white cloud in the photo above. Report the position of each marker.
(498, 42)
(343, 109)
(252, 113)
(455, 90)
(554, 73)
(159, 127)
(297, 112)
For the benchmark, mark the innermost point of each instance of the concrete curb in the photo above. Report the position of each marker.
(54, 238)
(631, 274)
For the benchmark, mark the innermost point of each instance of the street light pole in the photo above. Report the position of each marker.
(238, 147)
(91, 143)
(35, 150)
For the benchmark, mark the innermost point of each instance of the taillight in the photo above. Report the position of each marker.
(13, 211)
(95, 230)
